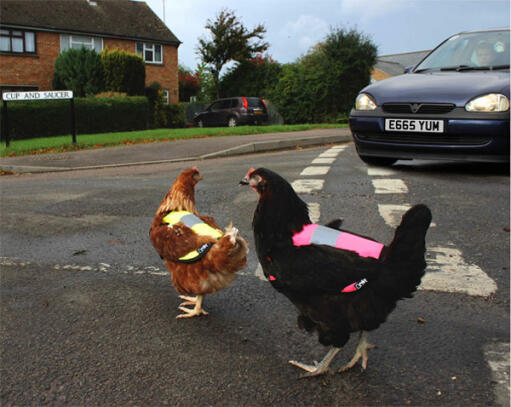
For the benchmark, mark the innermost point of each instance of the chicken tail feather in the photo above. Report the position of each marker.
(405, 256)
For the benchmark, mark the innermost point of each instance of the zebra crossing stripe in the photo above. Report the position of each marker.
(389, 186)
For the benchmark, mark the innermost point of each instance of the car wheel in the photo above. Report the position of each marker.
(232, 122)
(378, 161)
(200, 123)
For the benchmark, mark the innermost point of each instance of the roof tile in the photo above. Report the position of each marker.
(113, 18)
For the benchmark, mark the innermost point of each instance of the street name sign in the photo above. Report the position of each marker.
(45, 95)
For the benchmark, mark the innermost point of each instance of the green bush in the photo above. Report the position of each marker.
(78, 70)
(47, 118)
(175, 115)
(154, 94)
(322, 86)
(123, 72)
(255, 77)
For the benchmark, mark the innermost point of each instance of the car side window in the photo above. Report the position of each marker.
(215, 106)
(225, 104)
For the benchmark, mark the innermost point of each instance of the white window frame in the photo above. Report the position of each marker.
(65, 42)
(81, 43)
(166, 95)
(149, 46)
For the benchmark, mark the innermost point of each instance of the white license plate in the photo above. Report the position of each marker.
(415, 125)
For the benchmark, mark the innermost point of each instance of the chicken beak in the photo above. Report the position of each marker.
(246, 178)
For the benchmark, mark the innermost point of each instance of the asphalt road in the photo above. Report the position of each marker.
(88, 310)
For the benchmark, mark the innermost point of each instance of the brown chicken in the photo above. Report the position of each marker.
(200, 257)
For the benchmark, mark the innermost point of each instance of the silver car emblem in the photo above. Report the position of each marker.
(415, 107)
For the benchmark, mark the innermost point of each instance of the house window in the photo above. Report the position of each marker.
(80, 41)
(166, 96)
(151, 53)
(17, 41)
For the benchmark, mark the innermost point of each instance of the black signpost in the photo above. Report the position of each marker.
(45, 95)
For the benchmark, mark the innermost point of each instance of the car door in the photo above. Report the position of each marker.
(224, 112)
(211, 118)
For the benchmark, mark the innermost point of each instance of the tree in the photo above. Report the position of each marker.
(189, 83)
(322, 85)
(230, 41)
(345, 60)
(253, 77)
(207, 90)
(297, 93)
(79, 70)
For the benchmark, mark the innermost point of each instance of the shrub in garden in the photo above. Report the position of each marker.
(154, 95)
(175, 114)
(79, 70)
(123, 72)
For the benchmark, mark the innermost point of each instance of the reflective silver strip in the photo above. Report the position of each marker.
(324, 235)
(190, 220)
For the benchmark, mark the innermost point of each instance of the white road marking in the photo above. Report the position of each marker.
(389, 186)
(380, 172)
(259, 273)
(337, 148)
(448, 271)
(314, 211)
(307, 186)
(329, 154)
(103, 267)
(392, 214)
(497, 356)
(315, 171)
(323, 161)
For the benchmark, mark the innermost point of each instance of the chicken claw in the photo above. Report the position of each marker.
(361, 352)
(196, 311)
(318, 368)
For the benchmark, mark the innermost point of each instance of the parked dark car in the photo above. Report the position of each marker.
(452, 105)
(233, 112)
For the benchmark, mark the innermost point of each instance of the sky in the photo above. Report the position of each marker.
(293, 26)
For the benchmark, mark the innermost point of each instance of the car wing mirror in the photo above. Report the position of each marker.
(408, 69)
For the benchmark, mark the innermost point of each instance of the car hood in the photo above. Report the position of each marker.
(439, 87)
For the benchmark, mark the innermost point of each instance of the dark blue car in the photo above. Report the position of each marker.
(453, 105)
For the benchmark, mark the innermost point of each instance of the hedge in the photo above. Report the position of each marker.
(93, 115)
(175, 114)
(123, 72)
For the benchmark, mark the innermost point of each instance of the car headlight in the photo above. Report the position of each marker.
(493, 102)
(364, 102)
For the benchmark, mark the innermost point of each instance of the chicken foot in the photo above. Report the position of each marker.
(197, 310)
(318, 368)
(360, 353)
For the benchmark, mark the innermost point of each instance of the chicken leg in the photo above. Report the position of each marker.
(361, 352)
(318, 368)
(197, 310)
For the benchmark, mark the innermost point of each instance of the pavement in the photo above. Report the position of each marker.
(173, 151)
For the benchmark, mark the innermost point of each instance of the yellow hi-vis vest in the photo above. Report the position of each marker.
(199, 227)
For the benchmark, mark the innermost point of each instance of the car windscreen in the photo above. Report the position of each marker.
(469, 51)
(255, 102)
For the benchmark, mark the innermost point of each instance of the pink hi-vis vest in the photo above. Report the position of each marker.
(318, 234)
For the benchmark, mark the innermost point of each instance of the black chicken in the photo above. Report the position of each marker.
(337, 291)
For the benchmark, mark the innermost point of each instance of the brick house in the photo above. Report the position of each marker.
(34, 32)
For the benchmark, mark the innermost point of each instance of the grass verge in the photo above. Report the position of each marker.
(86, 141)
